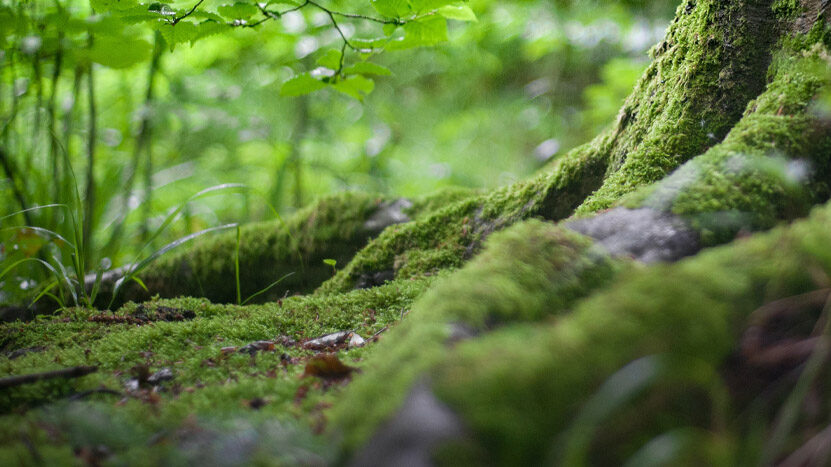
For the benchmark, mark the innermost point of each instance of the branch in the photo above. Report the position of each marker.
(397, 21)
(72, 372)
(180, 18)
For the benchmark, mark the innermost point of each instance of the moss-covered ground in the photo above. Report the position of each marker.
(542, 346)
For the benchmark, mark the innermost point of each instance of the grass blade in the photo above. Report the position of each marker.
(262, 291)
(138, 267)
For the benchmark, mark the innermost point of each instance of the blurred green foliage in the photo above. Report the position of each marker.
(176, 109)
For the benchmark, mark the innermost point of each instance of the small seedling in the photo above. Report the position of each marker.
(333, 263)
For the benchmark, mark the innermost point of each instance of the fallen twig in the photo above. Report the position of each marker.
(89, 392)
(72, 372)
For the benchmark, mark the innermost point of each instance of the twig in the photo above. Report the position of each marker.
(180, 18)
(89, 392)
(357, 16)
(72, 372)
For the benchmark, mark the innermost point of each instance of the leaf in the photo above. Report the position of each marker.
(330, 59)
(391, 8)
(301, 84)
(424, 6)
(119, 51)
(104, 6)
(367, 68)
(330, 262)
(209, 28)
(238, 10)
(457, 12)
(183, 31)
(389, 29)
(375, 43)
(201, 14)
(327, 366)
(285, 2)
(427, 32)
(355, 86)
(162, 9)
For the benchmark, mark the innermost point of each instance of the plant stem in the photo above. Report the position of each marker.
(89, 193)
(142, 144)
(8, 167)
(54, 160)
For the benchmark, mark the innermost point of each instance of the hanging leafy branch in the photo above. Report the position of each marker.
(404, 25)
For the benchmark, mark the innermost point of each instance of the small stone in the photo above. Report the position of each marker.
(165, 374)
(356, 341)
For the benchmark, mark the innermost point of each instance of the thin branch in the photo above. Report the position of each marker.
(396, 21)
(180, 18)
(72, 372)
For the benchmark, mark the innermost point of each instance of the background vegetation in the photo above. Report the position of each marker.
(107, 111)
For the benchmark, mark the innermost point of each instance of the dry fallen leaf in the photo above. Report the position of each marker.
(327, 366)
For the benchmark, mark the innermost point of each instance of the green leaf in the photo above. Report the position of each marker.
(330, 262)
(376, 43)
(367, 68)
(389, 29)
(119, 51)
(104, 6)
(238, 10)
(285, 2)
(301, 84)
(182, 32)
(457, 12)
(355, 86)
(427, 32)
(162, 9)
(391, 8)
(201, 14)
(330, 59)
(209, 28)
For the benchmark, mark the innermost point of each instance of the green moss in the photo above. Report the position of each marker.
(529, 272)
(332, 228)
(531, 381)
(690, 96)
(772, 166)
(445, 238)
(208, 382)
(440, 199)
(787, 9)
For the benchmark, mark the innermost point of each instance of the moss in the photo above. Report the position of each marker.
(531, 380)
(447, 237)
(704, 72)
(440, 199)
(772, 166)
(208, 382)
(527, 273)
(332, 228)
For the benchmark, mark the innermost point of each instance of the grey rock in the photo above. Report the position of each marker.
(410, 437)
(389, 213)
(373, 279)
(645, 234)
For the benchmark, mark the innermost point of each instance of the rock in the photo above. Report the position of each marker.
(164, 374)
(356, 341)
(373, 279)
(644, 234)
(389, 213)
(410, 437)
(328, 342)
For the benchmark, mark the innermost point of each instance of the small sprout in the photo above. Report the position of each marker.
(331, 262)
